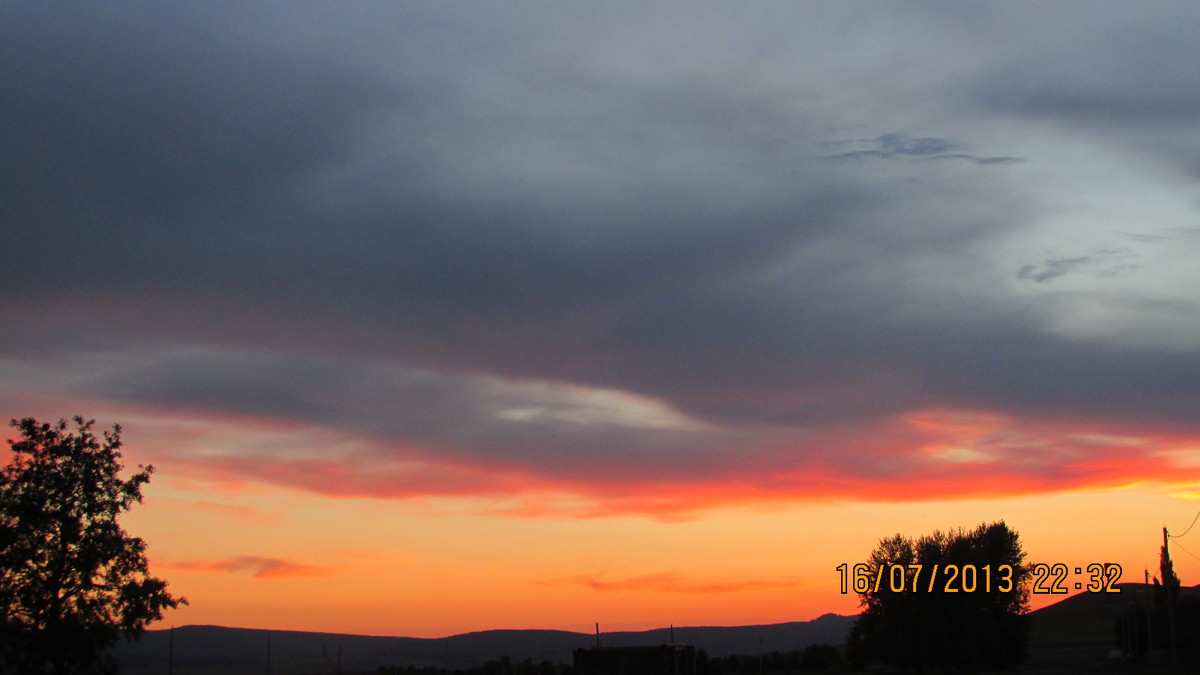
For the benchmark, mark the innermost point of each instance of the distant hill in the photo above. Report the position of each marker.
(1080, 628)
(216, 650)
(1077, 630)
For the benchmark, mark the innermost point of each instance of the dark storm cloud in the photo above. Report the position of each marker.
(361, 216)
(146, 147)
(168, 157)
(240, 184)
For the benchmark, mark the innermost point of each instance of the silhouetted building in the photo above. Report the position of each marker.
(650, 660)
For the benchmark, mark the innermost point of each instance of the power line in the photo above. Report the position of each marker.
(1177, 536)
(1185, 550)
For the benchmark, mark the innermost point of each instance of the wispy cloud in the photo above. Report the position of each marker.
(901, 146)
(1102, 262)
(1051, 269)
(669, 582)
(257, 566)
(230, 511)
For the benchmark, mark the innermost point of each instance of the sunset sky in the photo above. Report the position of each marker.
(439, 317)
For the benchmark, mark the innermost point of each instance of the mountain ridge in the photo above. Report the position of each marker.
(221, 650)
(1078, 627)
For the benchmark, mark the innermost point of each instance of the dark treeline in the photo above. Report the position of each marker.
(815, 658)
(501, 666)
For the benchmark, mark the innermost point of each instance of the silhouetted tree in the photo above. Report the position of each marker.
(905, 622)
(1167, 600)
(1170, 580)
(819, 657)
(71, 579)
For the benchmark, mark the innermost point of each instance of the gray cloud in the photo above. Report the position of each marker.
(1118, 75)
(358, 219)
(1162, 236)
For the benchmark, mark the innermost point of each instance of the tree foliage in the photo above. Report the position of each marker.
(72, 581)
(1170, 580)
(920, 619)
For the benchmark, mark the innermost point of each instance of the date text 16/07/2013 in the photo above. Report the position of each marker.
(1046, 578)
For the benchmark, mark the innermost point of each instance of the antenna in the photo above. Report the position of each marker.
(597, 635)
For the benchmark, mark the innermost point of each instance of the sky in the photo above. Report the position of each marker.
(440, 317)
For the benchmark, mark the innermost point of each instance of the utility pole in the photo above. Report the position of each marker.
(1149, 619)
(1167, 584)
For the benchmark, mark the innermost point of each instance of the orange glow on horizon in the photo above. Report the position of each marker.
(251, 541)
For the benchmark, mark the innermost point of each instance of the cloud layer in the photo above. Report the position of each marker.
(590, 261)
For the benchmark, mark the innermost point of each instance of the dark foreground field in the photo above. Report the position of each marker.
(215, 650)
(1075, 635)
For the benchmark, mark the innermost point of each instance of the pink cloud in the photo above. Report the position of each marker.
(231, 511)
(931, 454)
(915, 459)
(257, 566)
